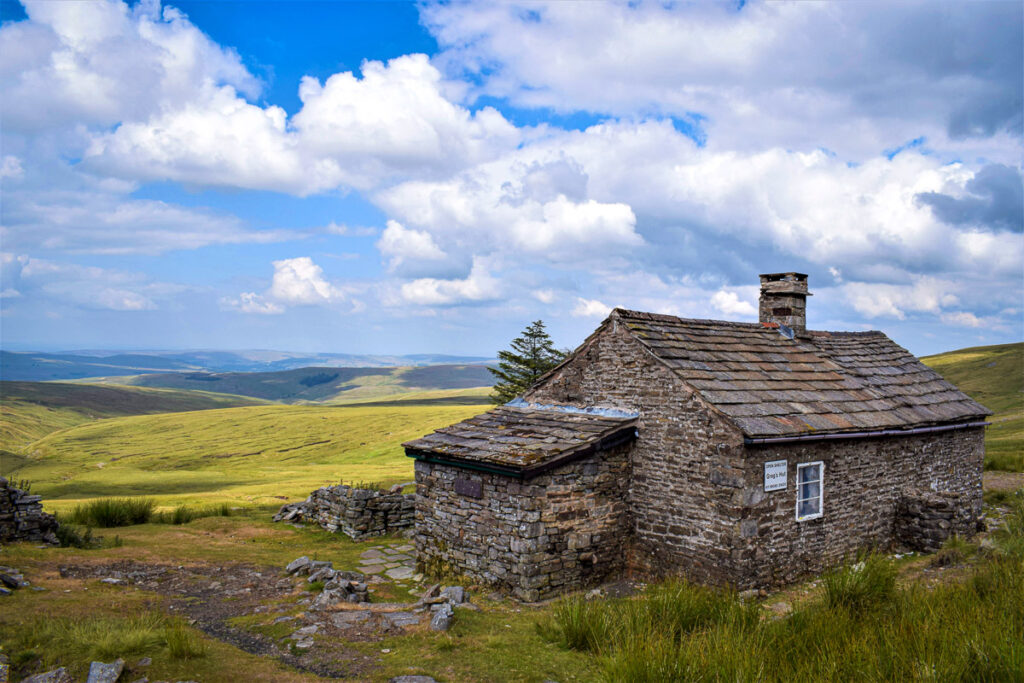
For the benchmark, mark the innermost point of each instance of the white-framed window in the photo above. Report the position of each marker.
(810, 481)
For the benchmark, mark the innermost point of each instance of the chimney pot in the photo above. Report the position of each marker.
(784, 300)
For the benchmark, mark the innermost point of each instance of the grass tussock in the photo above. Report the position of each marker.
(184, 643)
(183, 514)
(868, 583)
(107, 513)
(863, 627)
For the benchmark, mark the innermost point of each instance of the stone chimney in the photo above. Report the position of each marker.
(784, 300)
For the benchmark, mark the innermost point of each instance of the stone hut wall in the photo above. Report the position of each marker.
(864, 483)
(925, 519)
(359, 513)
(685, 463)
(22, 517)
(557, 531)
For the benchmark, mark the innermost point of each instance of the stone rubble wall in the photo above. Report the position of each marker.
(358, 513)
(926, 519)
(22, 517)
(555, 532)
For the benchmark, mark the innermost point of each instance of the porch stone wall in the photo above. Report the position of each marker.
(558, 531)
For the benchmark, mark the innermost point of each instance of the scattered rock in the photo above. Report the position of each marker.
(454, 594)
(348, 619)
(143, 663)
(99, 672)
(412, 679)
(56, 676)
(314, 565)
(111, 580)
(340, 590)
(432, 591)
(748, 595)
(595, 594)
(305, 632)
(322, 574)
(298, 565)
(442, 619)
(401, 619)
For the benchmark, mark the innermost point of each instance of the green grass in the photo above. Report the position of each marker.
(238, 456)
(32, 410)
(993, 376)
(863, 627)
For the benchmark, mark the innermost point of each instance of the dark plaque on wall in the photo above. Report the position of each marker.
(466, 487)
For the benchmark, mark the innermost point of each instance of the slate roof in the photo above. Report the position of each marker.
(829, 382)
(523, 441)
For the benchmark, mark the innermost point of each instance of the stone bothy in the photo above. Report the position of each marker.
(741, 453)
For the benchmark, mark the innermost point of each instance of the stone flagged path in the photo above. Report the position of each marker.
(396, 563)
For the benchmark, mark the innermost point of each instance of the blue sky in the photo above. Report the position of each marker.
(398, 178)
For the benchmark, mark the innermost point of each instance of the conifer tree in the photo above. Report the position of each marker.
(532, 354)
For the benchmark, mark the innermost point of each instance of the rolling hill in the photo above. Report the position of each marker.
(326, 384)
(246, 455)
(993, 376)
(31, 410)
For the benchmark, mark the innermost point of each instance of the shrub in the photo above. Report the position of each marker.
(866, 584)
(73, 536)
(113, 512)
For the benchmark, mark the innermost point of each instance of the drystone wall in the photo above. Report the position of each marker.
(358, 513)
(865, 481)
(926, 519)
(683, 510)
(558, 531)
(22, 517)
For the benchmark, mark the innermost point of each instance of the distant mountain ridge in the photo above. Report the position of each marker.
(41, 367)
(318, 384)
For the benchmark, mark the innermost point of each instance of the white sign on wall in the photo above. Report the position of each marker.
(775, 475)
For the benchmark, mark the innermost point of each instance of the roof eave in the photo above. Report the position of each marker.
(616, 437)
(839, 436)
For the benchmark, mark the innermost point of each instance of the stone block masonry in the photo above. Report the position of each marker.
(22, 517)
(536, 538)
(926, 519)
(358, 513)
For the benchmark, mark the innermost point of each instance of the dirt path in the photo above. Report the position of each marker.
(1003, 481)
(211, 596)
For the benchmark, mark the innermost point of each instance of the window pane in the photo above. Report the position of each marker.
(810, 473)
(808, 507)
(811, 490)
